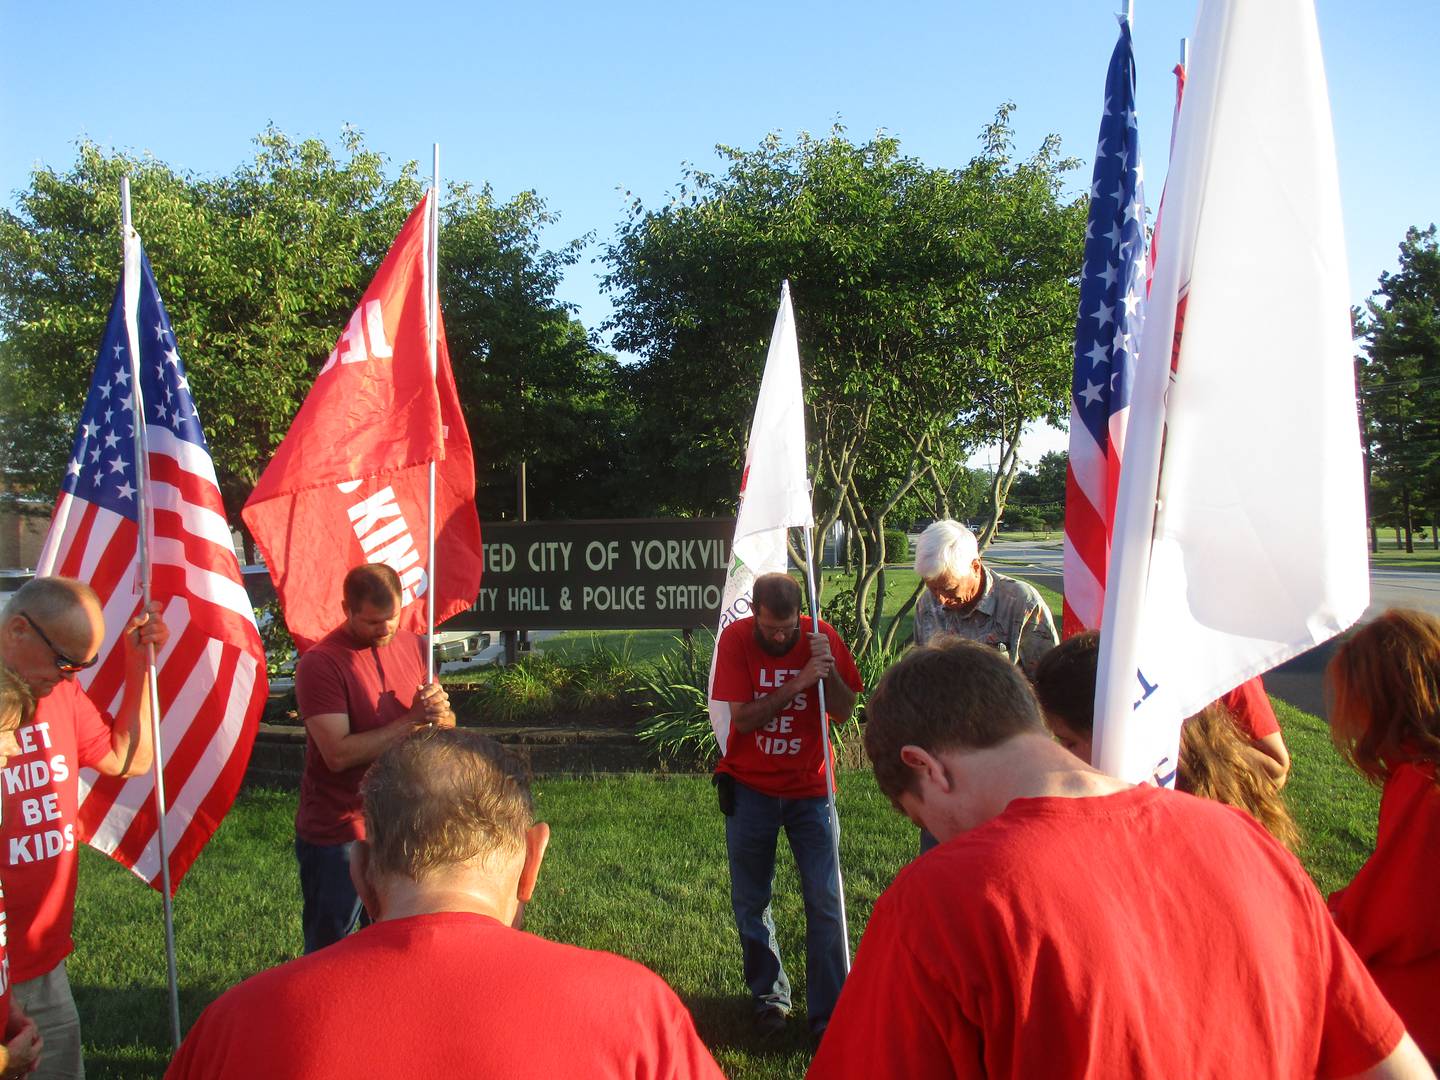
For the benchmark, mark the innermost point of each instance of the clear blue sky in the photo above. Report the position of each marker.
(583, 101)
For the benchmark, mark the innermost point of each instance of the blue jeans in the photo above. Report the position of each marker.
(331, 908)
(750, 836)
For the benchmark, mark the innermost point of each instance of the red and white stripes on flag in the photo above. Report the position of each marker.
(211, 673)
(1107, 341)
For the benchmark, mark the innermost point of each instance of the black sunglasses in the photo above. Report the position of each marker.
(63, 662)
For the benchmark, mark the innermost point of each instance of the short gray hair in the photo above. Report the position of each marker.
(946, 547)
(49, 598)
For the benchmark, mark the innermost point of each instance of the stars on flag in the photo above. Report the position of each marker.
(102, 459)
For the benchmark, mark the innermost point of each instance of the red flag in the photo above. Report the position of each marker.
(348, 485)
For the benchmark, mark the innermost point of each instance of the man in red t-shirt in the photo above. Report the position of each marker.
(1071, 924)
(50, 630)
(444, 983)
(772, 776)
(360, 689)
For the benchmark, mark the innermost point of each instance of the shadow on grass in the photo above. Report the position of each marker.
(725, 1022)
(126, 1030)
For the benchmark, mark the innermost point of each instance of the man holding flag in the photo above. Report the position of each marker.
(772, 776)
(347, 490)
(361, 689)
(51, 630)
(770, 678)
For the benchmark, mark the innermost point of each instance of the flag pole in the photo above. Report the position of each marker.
(131, 278)
(432, 321)
(825, 745)
(1185, 53)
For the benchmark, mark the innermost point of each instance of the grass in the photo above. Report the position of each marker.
(636, 866)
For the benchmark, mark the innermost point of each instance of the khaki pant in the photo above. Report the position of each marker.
(48, 1001)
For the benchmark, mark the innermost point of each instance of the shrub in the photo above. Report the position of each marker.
(897, 546)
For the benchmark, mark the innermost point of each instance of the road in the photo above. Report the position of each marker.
(1298, 681)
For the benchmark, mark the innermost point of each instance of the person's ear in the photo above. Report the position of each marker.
(537, 839)
(360, 862)
(926, 766)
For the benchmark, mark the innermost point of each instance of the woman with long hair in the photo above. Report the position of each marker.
(1384, 690)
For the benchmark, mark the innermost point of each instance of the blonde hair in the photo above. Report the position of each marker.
(1214, 765)
(444, 797)
(16, 702)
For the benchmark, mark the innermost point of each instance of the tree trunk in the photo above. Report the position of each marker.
(1374, 538)
(1409, 521)
(1435, 529)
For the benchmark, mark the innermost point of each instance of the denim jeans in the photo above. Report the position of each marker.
(331, 908)
(750, 837)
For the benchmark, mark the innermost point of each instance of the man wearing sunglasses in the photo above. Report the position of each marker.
(51, 630)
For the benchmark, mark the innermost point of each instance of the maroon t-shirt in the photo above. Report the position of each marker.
(373, 687)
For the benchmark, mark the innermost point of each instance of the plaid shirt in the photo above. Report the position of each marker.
(1009, 615)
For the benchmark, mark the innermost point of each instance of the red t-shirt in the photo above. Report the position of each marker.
(372, 686)
(1251, 710)
(1391, 911)
(784, 757)
(38, 829)
(1146, 933)
(446, 995)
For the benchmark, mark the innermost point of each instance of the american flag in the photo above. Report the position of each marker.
(1107, 339)
(211, 673)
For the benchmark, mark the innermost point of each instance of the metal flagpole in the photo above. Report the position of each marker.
(1185, 53)
(433, 320)
(825, 749)
(131, 286)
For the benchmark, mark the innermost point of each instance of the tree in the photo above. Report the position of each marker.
(535, 387)
(1400, 386)
(260, 270)
(1040, 493)
(935, 309)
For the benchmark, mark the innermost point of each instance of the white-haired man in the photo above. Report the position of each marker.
(965, 598)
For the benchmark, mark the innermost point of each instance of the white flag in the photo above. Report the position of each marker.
(774, 489)
(1240, 528)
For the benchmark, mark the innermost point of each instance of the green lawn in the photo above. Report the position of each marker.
(637, 866)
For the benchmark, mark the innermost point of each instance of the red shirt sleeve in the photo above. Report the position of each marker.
(897, 1015)
(733, 679)
(1250, 707)
(93, 734)
(320, 686)
(1361, 1029)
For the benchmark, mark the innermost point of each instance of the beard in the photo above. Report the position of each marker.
(773, 649)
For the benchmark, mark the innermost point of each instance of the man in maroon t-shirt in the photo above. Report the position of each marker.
(445, 983)
(772, 776)
(1071, 924)
(360, 690)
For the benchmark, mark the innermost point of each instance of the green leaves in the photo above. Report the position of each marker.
(935, 311)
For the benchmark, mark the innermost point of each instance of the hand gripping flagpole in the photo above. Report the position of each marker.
(432, 301)
(142, 495)
(825, 750)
